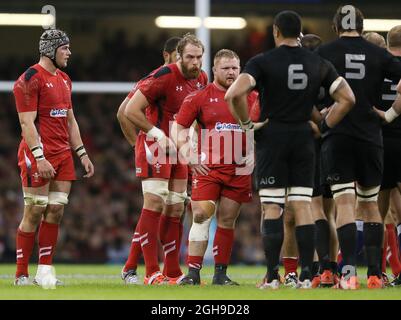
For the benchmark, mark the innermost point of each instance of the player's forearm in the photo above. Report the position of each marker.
(138, 118)
(344, 101)
(74, 134)
(30, 134)
(127, 128)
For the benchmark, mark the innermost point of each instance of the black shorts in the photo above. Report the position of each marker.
(345, 159)
(392, 162)
(285, 156)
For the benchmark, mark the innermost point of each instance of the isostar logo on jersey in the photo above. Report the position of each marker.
(58, 113)
(222, 126)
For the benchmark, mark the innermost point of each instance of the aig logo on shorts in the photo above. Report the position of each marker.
(58, 113)
(268, 180)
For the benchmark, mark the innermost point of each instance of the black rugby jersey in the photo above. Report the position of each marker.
(389, 93)
(288, 80)
(364, 66)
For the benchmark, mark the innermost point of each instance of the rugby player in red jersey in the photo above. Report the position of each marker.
(128, 273)
(49, 131)
(217, 177)
(164, 181)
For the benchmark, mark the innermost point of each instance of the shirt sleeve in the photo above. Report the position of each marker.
(328, 73)
(188, 111)
(26, 93)
(392, 66)
(155, 86)
(253, 68)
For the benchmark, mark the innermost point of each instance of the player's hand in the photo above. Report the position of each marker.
(324, 112)
(381, 114)
(199, 169)
(259, 125)
(45, 169)
(88, 165)
(196, 165)
(315, 129)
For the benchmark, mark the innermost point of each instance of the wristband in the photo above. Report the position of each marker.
(390, 115)
(247, 125)
(155, 133)
(37, 152)
(80, 150)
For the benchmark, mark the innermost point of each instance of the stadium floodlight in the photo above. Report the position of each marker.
(225, 23)
(178, 22)
(26, 19)
(381, 25)
(187, 22)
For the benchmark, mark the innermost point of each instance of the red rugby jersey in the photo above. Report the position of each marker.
(165, 90)
(211, 111)
(50, 95)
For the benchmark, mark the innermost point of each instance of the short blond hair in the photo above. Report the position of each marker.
(225, 53)
(375, 38)
(394, 37)
(189, 38)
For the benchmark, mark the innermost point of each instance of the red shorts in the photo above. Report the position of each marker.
(147, 166)
(63, 163)
(222, 183)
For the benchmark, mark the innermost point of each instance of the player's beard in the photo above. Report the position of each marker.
(192, 73)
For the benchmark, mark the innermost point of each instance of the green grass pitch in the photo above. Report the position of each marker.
(102, 282)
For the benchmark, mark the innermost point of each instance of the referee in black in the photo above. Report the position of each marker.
(288, 80)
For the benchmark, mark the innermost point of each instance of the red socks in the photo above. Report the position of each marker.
(48, 233)
(169, 232)
(392, 245)
(195, 262)
(222, 245)
(290, 265)
(149, 239)
(135, 250)
(25, 242)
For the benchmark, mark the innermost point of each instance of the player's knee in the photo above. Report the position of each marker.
(200, 229)
(273, 202)
(54, 213)
(35, 200)
(368, 194)
(34, 215)
(342, 189)
(174, 210)
(200, 217)
(227, 222)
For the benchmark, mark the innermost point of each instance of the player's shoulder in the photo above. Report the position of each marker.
(163, 71)
(329, 47)
(260, 57)
(31, 73)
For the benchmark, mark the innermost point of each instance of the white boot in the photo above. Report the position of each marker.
(46, 277)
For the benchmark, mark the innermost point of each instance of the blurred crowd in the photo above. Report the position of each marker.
(102, 212)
